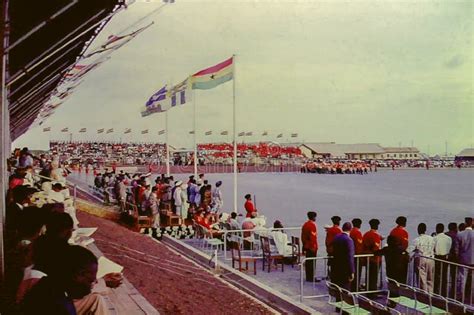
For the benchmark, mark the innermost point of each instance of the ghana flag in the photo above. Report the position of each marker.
(213, 76)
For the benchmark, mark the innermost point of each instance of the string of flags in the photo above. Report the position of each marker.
(163, 131)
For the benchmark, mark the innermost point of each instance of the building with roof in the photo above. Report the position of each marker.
(466, 155)
(401, 153)
(358, 151)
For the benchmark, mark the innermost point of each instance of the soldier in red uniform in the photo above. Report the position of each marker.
(356, 236)
(372, 242)
(331, 233)
(249, 206)
(309, 238)
(400, 234)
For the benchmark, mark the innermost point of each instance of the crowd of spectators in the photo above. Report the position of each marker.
(46, 269)
(432, 254)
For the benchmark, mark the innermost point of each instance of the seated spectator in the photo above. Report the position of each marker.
(234, 224)
(281, 239)
(73, 279)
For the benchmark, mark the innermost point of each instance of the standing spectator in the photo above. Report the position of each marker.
(331, 233)
(452, 233)
(423, 246)
(342, 268)
(249, 206)
(356, 236)
(400, 233)
(184, 202)
(372, 242)
(309, 238)
(153, 203)
(217, 200)
(442, 246)
(465, 253)
(177, 197)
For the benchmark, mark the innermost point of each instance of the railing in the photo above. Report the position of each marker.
(257, 231)
(357, 275)
(445, 278)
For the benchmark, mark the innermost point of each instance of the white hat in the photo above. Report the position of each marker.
(178, 183)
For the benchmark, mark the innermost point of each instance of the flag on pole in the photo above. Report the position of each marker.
(83, 130)
(265, 133)
(128, 130)
(224, 133)
(157, 103)
(180, 93)
(191, 132)
(46, 129)
(248, 133)
(65, 129)
(161, 132)
(101, 130)
(208, 133)
(213, 76)
(144, 131)
(110, 130)
(241, 134)
(294, 135)
(280, 135)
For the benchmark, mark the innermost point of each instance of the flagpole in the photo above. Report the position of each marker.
(195, 134)
(235, 136)
(167, 146)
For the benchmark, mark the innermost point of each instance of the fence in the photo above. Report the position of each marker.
(443, 277)
(359, 259)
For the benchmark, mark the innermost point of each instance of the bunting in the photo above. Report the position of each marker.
(128, 130)
(65, 129)
(83, 130)
(144, 131)
(100, 130)
(110, 130)
(161, 132)
(224, 133)
(208, 133)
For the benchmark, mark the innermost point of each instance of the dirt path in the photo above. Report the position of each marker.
(172, 284)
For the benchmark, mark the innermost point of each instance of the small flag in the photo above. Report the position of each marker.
(248, 133)
(265, 133)
(65, 129)
(280, 135)
(110, 130)
(191, 132)
(46, 129)
(144, 131)
(128, 130)
(241, 134)
(83, 130)
(161, 132)
(208, 133)
(294, 135)
(224, 133)
(101, 130)
(157, 103)
(179, 95)
(213, 76)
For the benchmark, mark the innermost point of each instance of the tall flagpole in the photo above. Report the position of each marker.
(167, 145)
(235, 135)
(195, 134)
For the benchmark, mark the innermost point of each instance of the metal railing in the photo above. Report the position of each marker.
(357, 275)
(256, 231)
(442, 277)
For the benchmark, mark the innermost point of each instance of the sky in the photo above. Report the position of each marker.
(388, 72)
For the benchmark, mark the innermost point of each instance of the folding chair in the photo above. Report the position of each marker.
(237, 257)
(335, 298)
(295, 251)
(268, 257)
(424, 300)
(374, 307)
(350, 305)
(455, 307)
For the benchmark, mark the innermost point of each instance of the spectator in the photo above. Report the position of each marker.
(452, 233)
(400, 233)
(465, 254)
(309, 238)
(331, 233)
(249, 206)
(442, 247)
(372, 243)
(342, 267)
(281, 239)
(217, 200)
(423, 246)
(234, 224)
(356, 236)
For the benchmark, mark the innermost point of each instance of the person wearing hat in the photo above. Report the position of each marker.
(332, 232)
(178, 202)
(372, 243)
(249, 206)
(217, 200)
(309, 238)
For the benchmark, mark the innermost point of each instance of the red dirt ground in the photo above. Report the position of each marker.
(172, 284)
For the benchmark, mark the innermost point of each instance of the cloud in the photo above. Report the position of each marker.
(455, 62)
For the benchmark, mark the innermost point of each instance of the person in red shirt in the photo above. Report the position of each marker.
(372, 242)
(331, 233)
(400, 234)
(356, 236)
(249, 206)
(309, 238)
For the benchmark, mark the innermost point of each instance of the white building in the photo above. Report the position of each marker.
(401, 153)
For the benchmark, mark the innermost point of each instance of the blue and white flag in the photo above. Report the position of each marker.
(180, 93)
(158, 102)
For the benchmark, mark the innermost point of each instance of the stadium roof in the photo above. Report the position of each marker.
(340, 150)
(45, 40)
(401, 150)
(466, 153)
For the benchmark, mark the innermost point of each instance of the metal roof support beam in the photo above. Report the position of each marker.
(40, 26)
(35, 63)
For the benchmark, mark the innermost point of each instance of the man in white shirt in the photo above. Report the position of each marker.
(424, 246)
(442, 246)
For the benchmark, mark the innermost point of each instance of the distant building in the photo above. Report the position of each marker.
(466, 155)
(359, 151)
(401, 153)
